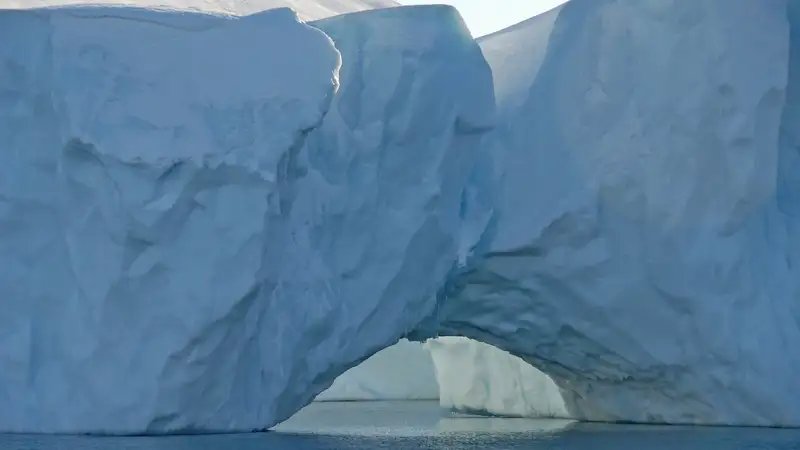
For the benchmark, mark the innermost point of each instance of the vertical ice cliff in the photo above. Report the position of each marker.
(142, 159)
(200, 233)
(478, 378)
(372, 216)
(187, 244)
(642, 248)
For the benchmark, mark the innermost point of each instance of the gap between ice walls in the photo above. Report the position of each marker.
(464, 375)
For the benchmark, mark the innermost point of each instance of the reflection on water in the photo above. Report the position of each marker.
(495, 425)
(421, 425)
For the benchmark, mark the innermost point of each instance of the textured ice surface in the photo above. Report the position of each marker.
(474, 377)
(139, 183)
(306, 9)
(374, 224)
(403, 371)
(188, 247)
(643, 247)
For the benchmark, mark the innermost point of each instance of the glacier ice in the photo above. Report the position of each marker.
(403, 371)
(204, 227)
(474, 377)
(375, 216)
(643, 244)
(464, 375)
(182, 222)
(139, 181)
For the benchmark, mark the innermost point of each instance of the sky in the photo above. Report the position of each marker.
(487, 16)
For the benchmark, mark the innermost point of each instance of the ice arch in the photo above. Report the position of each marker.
(210, 255)
(205, 227)
(305, 9)
(643, 244)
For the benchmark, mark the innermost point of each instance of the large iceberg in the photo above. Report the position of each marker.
(403, 371)
(643, 246)
(201, 232)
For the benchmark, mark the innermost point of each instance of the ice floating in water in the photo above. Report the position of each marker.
(207, 219)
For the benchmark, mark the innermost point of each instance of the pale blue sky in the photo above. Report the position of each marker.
(487, 16)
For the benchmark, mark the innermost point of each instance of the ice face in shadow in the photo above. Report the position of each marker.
(641, 248)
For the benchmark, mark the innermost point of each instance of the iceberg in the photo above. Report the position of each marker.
(190, 211)
(375, 219)
(140, 179)
(477, 378)
(643, 244)
(204, 226)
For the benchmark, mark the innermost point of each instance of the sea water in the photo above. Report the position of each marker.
(422, 425)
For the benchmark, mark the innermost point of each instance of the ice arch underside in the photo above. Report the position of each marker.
(210, 255)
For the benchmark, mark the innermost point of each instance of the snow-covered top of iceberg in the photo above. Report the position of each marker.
(306, 9)
(213, 104)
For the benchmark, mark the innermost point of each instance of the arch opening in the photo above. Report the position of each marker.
(464, 375)
(403, 371)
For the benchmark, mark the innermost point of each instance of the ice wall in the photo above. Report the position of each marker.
(477, 378)
(188, 245)
(642, 247)
(403, 371)
(201, 233)
(375, 217)
(140, 179)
